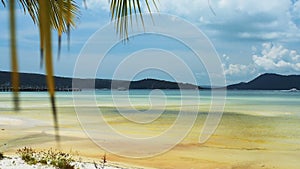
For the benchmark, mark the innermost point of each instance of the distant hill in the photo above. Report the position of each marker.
(30, 80)
(269, 81)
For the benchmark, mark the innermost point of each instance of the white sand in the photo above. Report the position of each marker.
(18, 163)
(19, 122)
(8, 121)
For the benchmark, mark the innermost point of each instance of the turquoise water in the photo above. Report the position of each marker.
(270, 103)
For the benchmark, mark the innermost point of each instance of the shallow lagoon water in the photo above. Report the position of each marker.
(259, 129)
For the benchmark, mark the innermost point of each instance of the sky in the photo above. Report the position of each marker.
(251, 37)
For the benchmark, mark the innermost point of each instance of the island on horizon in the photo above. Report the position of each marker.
(37, 82)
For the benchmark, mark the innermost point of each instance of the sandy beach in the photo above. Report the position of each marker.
(252, 142)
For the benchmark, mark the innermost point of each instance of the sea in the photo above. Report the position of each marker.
(255, 102)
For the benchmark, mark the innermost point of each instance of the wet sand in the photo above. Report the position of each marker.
(241, 140)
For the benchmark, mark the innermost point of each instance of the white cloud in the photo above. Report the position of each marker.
(225, 57)
(190, 9)
(273, 58)
(295, 13)
(254, 6)
(97, 4)
(236, 19)
(223, 8)
(277, 58)
(236, 69)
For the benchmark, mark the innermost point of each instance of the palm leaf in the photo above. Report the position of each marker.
(121, 10)
(65, 9)
(3, 3)
(61, 18)
(44, 10)
(41, 45)
(85, 5)
(50, 14)
(13, 50)
(68, 17)
(60, 28)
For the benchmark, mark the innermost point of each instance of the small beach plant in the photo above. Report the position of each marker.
(51, 157)
(28, 155)
(104, 161)
(1, 155)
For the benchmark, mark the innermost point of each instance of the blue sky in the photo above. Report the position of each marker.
(251, 37)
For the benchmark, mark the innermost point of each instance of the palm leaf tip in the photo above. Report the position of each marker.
(16, 101)
(3, 3)
(69, 20)
(122, 10)
(45, 7)
(69, 36)
(85, 4)
(210, 7)
(56, 125)
(41, 58)
(59, 47)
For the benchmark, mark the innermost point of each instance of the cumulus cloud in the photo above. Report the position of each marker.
(192, 9)
(236, 69)
(273, 58)
(236, 19)
(295, 13)
(97, 4)
(277, 58)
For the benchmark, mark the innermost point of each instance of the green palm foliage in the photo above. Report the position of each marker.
(60, 15)
(121, 10)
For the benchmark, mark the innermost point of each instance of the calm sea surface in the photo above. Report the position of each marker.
(270, 103)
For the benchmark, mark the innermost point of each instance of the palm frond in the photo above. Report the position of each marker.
(14, 57)
(50, 15)
(121, 10)
(68, 16)
(60, 28)
(44, 10)
(68, 10)
(210, 7)
(62, 17)
(85, 4)
(41, 45)
(3, 3)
